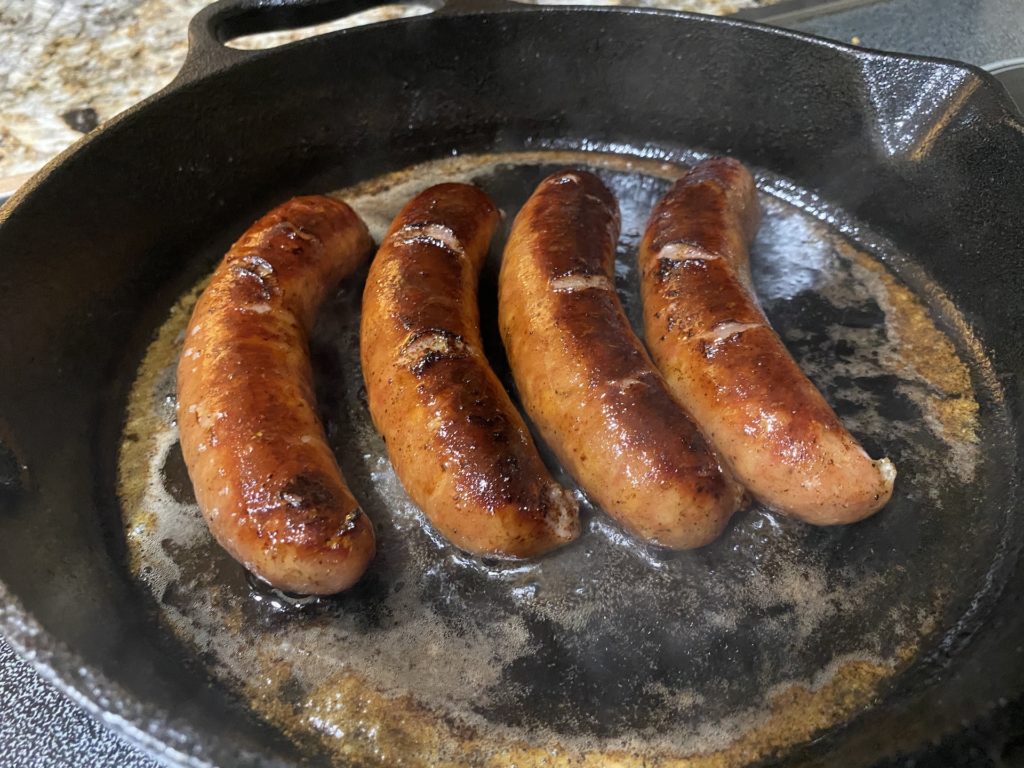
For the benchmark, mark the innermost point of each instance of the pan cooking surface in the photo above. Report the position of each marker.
(607, 647)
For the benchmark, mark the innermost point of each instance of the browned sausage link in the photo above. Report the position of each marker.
(586, 380)
(714, 345)
(264, 475)
(457, 443)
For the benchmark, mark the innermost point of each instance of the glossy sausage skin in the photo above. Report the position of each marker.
(586, 380)
(264, 474)
(456, 441)
(707, 333)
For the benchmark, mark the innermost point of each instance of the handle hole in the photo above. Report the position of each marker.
(264, 40)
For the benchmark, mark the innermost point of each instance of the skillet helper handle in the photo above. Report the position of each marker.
(225, 20)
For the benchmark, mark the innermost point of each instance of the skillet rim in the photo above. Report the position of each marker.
(200, 63)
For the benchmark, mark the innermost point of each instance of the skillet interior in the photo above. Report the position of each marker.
(81, 300)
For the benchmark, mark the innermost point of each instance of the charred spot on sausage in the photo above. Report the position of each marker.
(429, 345)
(430, 233)
(307, 492)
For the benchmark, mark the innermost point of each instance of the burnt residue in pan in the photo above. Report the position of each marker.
(749, 646)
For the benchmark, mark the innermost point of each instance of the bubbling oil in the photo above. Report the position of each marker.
(608, 650)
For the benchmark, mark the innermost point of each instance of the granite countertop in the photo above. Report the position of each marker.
(66, 65)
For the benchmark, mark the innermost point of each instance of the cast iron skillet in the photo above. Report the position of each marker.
(929, 153)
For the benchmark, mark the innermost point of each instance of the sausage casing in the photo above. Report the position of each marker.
(264, 475)
(769, 424)
(456, 441)
(586, 380)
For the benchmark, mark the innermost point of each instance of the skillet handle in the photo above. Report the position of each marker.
(225, 20)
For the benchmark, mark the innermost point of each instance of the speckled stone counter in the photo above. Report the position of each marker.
(66, 65)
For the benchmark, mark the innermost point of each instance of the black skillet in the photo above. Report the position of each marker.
(927, 154)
